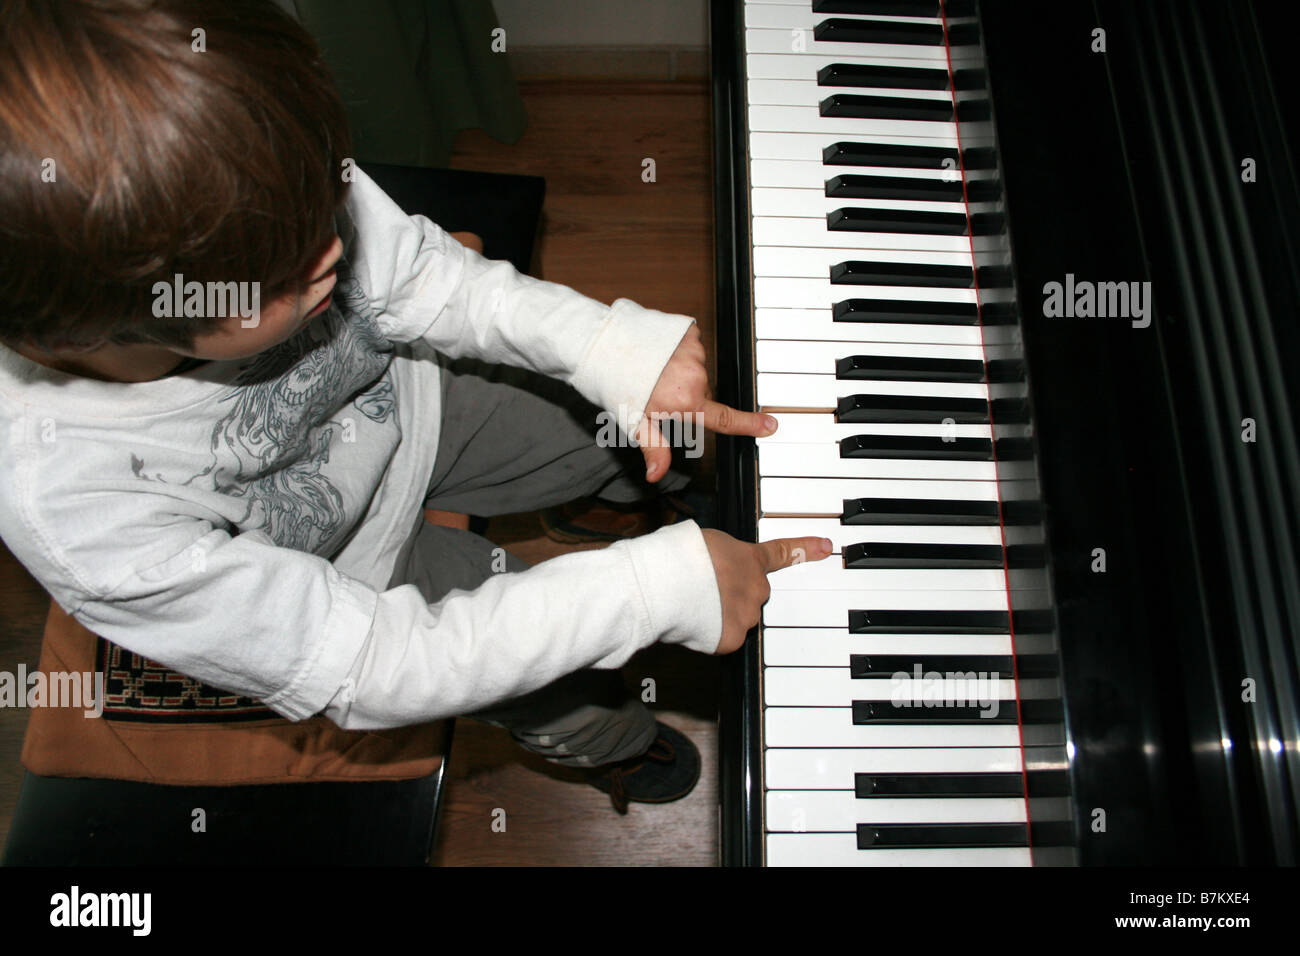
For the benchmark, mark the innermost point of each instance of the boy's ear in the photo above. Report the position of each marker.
(469, 240)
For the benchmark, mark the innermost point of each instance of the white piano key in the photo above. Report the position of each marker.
(839, 811)
(824, 461)
(832, 769)
(833, 687)
(822, 608)
(842, 535)
(773, 293)
(780, 390)
(819, 358)
(834, 727)
(783, 41)
(841, 849)
(817, 263)
(803, 66)
(787, 16)
(832, 646)
(829, 574)
(807, 92)
(814, 203)
(825, 496)
(811, 231)
(788, 174)
(820, 325)
(804, 428)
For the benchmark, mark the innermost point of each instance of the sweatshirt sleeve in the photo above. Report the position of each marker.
(426, 286)
(287, 628)
(518, 632)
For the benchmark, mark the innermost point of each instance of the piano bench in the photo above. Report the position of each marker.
(74, 821)
(504, 210)
(119, 790)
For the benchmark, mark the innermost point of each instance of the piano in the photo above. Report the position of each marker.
(1021, 283)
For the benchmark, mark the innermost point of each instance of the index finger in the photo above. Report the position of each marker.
(732, 421)
(782, 552)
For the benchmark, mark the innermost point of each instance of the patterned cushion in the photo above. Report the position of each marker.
(162, 727)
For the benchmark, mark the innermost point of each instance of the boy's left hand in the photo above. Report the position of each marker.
(683, 387)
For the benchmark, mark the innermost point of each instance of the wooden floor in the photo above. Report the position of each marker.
(609, 234)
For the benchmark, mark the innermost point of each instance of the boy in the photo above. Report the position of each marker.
(235, 374)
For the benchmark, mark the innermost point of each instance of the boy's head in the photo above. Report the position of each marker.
(145, 139)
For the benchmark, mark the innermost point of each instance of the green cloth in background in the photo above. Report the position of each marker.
(414, 72)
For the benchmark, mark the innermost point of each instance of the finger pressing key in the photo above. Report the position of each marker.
(783, 552)
(726, 420)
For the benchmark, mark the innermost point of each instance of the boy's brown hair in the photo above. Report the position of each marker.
(128, 155)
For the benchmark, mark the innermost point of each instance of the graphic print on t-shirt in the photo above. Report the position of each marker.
(273, 445)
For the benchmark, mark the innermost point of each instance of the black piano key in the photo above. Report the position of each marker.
(868, 666)
(903, 554)
(909, 368)
(919, 836)
(983, 190)
(916, 221)
(998, 313)
(918, 511)
(1010, 411)
(995, 277)
(891, 154)
(929, 622)
(866, 785)
(924, 274)
(920, 447)
(962, 34)
(881, 8)
(970, 78)
(893, 187)
(987, 223)
(974, 111)
(841, 30)
(1005, 370)
(885, 712)
(911, 409)
(979, 157)
(882, 77)
(1021, 512)
(906, 311)
(858, 106)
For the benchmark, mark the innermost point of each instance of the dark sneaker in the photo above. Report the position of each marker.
(667, 771)
(588, 520)
(689, 504)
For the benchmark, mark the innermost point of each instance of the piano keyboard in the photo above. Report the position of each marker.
(869, 352)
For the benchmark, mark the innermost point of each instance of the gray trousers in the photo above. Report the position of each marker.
(512, 441)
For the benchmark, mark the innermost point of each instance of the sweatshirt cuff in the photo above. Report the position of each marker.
(626, 357)
(680, 587)
(351, 616)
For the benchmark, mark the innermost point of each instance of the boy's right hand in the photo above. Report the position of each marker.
(742, 569)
